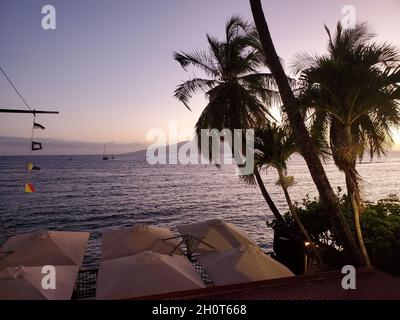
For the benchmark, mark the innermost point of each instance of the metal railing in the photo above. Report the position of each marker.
(85, 287)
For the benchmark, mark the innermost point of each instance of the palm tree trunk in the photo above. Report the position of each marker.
(327, 195)
(357, 227)
(268, 199)
(353, 191)
(296, 218)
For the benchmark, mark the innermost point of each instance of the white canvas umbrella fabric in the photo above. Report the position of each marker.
(25, 283)
(23, 256)
(242, 264)
(217, 233)
(139, 238)
(143, 274)
(44, 248)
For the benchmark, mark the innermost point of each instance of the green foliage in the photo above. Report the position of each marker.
(381, 226)
(380, 223)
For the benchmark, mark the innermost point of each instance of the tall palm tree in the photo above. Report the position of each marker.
(274, 145)
(239, 96)
(352, 94)
(306, 146)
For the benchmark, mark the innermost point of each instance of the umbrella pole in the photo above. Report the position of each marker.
(186, 238)
(191, 238)
(203, 242)
(178, 245)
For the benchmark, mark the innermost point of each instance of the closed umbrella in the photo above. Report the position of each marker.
(243, 264)
(214, 235)
(146, 273)
(44, 248)
(25, 283)
(139, 238)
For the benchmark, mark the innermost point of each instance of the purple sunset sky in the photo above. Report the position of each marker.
(108, 67)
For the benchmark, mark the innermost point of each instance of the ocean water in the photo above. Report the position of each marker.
(89, 194)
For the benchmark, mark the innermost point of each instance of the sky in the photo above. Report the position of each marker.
(108, 66)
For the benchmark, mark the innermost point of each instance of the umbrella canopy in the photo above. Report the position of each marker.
(243, 264)
(44, 248)
(139, 238)
(25, 283)
(144, 274)
(220, 235)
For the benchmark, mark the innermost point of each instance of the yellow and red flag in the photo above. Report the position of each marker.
(32, 167)
(29, 188)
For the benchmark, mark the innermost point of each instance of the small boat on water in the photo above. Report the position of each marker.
(104, 153)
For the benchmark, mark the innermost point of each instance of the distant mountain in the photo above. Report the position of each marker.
(186, 150)
(143, 152)
(20, 146)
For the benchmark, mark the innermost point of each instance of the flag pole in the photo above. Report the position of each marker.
(27, 111)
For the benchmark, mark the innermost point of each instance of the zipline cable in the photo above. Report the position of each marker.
(15, 88)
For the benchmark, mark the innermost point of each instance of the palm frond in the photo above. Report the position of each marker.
(185, 90)
(248, 179)
(199, 59)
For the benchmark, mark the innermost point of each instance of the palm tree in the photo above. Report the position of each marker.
(351, 93)
(303, 140)
(239, 96)
(274, 145)
(254, 178)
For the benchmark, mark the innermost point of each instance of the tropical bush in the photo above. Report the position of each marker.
(380, 224)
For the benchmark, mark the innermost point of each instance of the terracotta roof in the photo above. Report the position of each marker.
(371, 284)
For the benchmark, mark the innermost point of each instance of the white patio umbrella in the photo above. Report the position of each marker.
(143, 274)
(44, 248)
(139, 238)
(243, 264)
(215, 235)
(25, 283)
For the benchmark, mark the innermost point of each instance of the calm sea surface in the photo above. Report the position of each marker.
(89, 194)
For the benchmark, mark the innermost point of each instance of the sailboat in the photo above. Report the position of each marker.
(104, 153)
